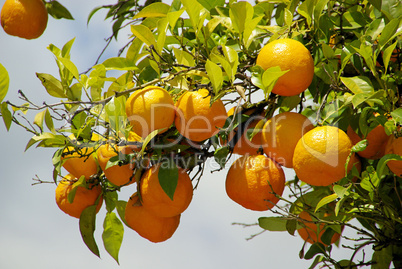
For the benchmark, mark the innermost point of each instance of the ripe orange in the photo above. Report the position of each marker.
(118, 174)
(320, 156)
(244, 145)
(80, 163)
(280, 135)
(24, 18)
(196, 119)
(394, 146)
(312, 232)
(288, 54)
(83, 197)
(149, 109)
(377, 140)
(155, 229)
(253, 181)
(156, 201)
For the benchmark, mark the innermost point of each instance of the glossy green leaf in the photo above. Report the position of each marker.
(4, 82)
(81, 182)
(58, 11)
(110, 198)
(144, 34)
(215, 75)
(119, 63)
(6, 115)
(326, 200)
(39, 118)
(315, 249)
(241, 13)
(270, 77)
(157, 9)
(306, 10)
(389, 32)
(162, 30)
(358, 84)
(277, 224)
(121, 208)
(397, 115)
(52, 85)
(220, 156)
(388, 54)
(210, 4)
(87, 228)
(193, 9)
(168, 177)
(173, 16)
(381, 166)
(112, 235)
(70, 67)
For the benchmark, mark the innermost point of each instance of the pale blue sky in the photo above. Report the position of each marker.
(36, 234)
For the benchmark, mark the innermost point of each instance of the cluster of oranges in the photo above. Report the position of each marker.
(24, 18)
(256, 180)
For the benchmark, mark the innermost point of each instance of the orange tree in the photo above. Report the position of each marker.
(353, 80)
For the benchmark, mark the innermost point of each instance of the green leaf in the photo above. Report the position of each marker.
(6, 115)
(93, 11)
(389, 32)
(382, 258)
(157, 9)
(220, 156)
(110, 198)
(210, 4)
(121, 208)
(193, 9)
(87, 228)
(315, 249)
(81, 182)
(326, 200)
(360, 146)
(4, 82)
(119, 63)
(291, 226)
(387, 55)
(144, 34)
(162, 30)
(381, 166)
(359, 84)
(276, 224)
(270, 77)
(58, 11)
(49, 121)
(70, 67)
(306, 10)
(52, 85)
(397, 115)
(168, 177)
(147, 140)
(215, 75)
(112, 235)
(241, 13)
(38, 120)
(44, 136)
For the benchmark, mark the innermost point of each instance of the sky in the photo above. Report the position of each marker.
(36, 234)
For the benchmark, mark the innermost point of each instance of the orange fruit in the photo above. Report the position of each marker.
(196, 119)
(394, 146)
(320, 156)
(150, 109)
(155, 229)
(118, 174)
(84, 197)
(253, 181)
(288, 54)
(377, 140)
(80, 163)
(157, 201)
(280, 135)
(24, 18)
(312, 232)
(243, 145)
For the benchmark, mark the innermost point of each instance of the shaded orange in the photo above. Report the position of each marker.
(394, 146)
(155, 229)
(83, 197)
(253, 181)
(196, 119)
(157, 201)
(118, 174)
(376, 142)
(280, 135)
(312, 232)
